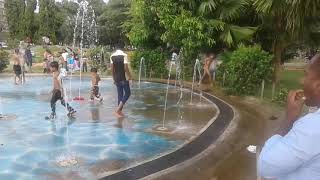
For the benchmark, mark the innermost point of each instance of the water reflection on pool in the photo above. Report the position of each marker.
(31, 146)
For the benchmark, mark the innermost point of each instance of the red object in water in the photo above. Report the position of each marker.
(78, 99)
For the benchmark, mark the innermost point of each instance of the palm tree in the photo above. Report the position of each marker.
(226, 13)
(287, 21)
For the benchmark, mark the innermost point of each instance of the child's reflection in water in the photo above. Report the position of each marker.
(95, 113)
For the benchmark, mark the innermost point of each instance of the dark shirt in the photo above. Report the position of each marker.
(119, 60)
(119, 70)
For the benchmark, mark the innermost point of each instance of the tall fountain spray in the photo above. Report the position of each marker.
(196, 71)
(142, 68)
(163, 128)
(67, 158)
(86, 33)
(179, 79)
(178, 68)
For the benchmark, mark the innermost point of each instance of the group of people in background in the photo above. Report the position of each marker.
(69, 59)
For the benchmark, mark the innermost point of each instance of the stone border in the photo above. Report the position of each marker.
(185, 155)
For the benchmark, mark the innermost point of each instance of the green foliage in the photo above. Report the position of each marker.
(281, 97)
(13, 43)
(111, 23)
(246, 68)
(4, 62)
(143, 28)
(15, 15)
(48, 18)
(29, 24)
(155, 61)
(191, 25)
(55, 19)
(98, 58)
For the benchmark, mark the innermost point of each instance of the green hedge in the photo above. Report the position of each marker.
(99, 58)
(155, 61)
(245, 69)
(4, 62)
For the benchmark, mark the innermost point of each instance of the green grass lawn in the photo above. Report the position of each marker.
(39, 51)
(289, 79)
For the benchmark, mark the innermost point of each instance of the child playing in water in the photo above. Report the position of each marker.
(95, 94)
(57, 92)
(17, 67)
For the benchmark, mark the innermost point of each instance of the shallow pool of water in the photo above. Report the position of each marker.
(33, 148)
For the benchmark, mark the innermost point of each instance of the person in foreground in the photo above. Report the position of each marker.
(294, 152)
(57, 92)
(119, 69)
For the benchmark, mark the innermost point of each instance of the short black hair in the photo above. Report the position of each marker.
(95, 70)
(54, 64)
(119, 46)
(175, 50)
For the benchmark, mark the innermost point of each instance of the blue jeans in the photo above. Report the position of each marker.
(124, 92)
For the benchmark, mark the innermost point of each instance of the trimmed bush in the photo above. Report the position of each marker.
(245, 69)
(155, 61)
(99, 59)
(4, 62)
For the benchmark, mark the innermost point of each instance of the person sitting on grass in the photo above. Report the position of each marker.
(294, 153)
(95, 94)
(57, 92)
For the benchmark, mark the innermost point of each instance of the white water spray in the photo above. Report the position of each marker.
(163, 128)
(87, 34)
(142, 64)
(196, 69)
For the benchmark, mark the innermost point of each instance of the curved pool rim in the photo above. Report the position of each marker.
(193, 147)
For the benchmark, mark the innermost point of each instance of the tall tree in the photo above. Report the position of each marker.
(68, 13)
(286, 22)
(15, 11)
(29, 26)
(143, 28)
(98, 6)
(49, 22)
(110, 23)
(191, 24)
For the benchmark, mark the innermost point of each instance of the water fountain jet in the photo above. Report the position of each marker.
(85, 16)
(142, 63)
(196, 69)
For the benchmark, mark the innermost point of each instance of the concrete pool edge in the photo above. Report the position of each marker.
(185, 154)
(189, 164)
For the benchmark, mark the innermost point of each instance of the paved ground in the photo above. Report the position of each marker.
(229, 159)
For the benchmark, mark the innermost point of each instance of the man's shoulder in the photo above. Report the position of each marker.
(309, 123)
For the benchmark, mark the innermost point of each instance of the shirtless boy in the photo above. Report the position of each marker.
(57, 92)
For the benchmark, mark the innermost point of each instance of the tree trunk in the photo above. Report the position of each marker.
(277, 55)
